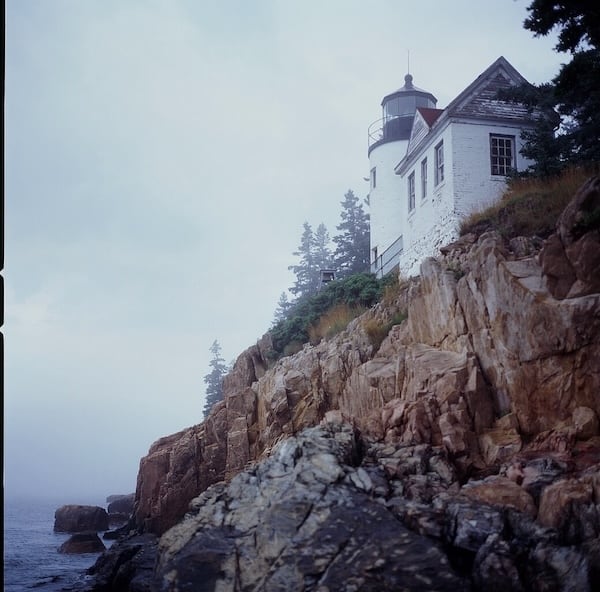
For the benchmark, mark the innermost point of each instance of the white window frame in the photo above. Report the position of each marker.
(373, 177)
(411, 191)
(502, 154)
(439, 162)
(424, 178)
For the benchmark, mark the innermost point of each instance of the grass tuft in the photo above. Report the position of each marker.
(377, 332)
(529, 207)
(334, 321)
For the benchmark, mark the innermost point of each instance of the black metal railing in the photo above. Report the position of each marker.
(389, 259)
(389, 129)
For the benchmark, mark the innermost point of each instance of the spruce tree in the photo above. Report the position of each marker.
(352, 243)
(307, 270)
(283, 308)
(566, 126)
(214, 379)
(322, 252)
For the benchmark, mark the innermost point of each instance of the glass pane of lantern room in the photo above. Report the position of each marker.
(407, 105)
(424, 102)
(391, 108)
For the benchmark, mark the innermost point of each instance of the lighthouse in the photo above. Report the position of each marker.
(388, 142)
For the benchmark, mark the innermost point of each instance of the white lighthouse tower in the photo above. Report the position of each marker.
(388, 142)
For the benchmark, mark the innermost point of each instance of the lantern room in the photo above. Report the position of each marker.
(398, 110)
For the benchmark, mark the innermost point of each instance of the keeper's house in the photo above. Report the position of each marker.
(432, 167)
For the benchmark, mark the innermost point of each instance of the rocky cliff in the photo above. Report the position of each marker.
(486, 396)
(493, 358)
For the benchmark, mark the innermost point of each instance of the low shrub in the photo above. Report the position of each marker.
(356, 292)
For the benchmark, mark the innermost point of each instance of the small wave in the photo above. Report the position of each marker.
(45, 581)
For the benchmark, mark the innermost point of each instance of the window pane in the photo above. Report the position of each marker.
(501, 154)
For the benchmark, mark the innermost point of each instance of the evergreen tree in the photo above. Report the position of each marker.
(214, 379)
(283, 308)
(304, 270)
(542, 144)
(578, 21)
(577, 90)
(307, 270)
(322, 252)
(567, 126)
(352, 244)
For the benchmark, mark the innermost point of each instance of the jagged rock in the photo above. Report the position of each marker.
(500, 491)
(122, 504)
(470, 524)
(585, 422)
(123, 529)
(444, 401)
(562, 439)
(499, 445)
(117, 519)
(82, 542)
(173, 471)
(459, 246)
(126, 565)
(295, 523)
(329, 508)
(495, 563)
(115, 496)
(525, 246)
(416, 473)
(569, 506)
(78, 518)
(571, 258)
(538, 473)
(435, 315)
(531, 348)
(558, 568)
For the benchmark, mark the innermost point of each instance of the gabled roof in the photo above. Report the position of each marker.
(479, 98)
(424, 118)
(429, 115)
(477, 102)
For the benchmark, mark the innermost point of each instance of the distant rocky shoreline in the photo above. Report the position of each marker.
(86, 521)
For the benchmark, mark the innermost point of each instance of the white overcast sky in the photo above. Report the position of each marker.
(160, 159)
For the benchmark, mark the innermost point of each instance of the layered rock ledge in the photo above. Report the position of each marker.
(332, 510)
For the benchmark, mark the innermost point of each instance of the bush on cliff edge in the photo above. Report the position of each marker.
(326, 313)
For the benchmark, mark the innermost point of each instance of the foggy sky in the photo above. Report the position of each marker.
(160, 160)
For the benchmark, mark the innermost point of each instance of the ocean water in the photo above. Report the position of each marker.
(31, 558)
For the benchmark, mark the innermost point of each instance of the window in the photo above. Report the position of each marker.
(424, 178)
(411, 192)
(502, 154)
(439, 163)
(373, 178)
